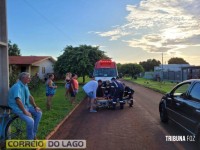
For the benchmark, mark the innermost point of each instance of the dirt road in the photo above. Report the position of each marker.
(136, 128)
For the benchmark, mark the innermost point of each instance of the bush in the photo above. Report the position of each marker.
(34, 84)
(13, 78)
(35, 81)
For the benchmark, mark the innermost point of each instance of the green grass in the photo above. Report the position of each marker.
(80, 80)
(162, 87)
(60, 108)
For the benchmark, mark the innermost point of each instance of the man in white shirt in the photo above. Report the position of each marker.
(90, 89)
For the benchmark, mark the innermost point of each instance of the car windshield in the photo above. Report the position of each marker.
(105, 72)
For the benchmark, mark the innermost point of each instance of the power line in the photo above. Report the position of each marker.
(48, 20)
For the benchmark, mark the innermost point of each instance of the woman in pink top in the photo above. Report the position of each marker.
(73, 88)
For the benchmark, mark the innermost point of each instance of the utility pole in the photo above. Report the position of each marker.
(162, 66)
(162, 60)
(4, 75)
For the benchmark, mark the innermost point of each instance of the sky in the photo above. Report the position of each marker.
(128, 31)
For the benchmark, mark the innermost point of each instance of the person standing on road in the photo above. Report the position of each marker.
(90, 89)
(73, 88)
(23, 105)
(118, 90)
(50, 91)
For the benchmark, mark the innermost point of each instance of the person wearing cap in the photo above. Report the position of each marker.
(90, 89)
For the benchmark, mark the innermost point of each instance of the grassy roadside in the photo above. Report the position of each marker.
(162, 87)
(61, 107)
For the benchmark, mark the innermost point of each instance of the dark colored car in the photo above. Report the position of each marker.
(182, 105)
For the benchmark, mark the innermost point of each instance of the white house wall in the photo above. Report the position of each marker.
(48, 68)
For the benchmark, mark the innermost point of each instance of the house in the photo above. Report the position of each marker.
(40, 65)
(191, 72)
(176, 72)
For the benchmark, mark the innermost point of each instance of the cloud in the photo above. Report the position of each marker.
(163, 26)
(114, 34)
(100, 46)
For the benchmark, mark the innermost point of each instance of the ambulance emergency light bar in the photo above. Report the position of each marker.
(105, 64)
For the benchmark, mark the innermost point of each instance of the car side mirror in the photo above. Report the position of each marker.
(183, 95)
(169, 95)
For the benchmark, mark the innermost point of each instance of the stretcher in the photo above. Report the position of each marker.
(102, 102)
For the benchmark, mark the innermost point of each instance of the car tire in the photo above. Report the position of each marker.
(163, 114)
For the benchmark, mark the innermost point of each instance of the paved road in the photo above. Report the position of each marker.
(137, 128)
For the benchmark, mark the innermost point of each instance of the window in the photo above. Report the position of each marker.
(181, 89)
(43, 70)
(195, 93)
(23, 69)
(105, 72)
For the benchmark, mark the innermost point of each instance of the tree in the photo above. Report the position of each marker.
(79, 60)
(13, 49)
(150, 64)
(119, 70)
(131, 69)
(177, 60)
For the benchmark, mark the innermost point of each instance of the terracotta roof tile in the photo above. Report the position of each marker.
(16, 60)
